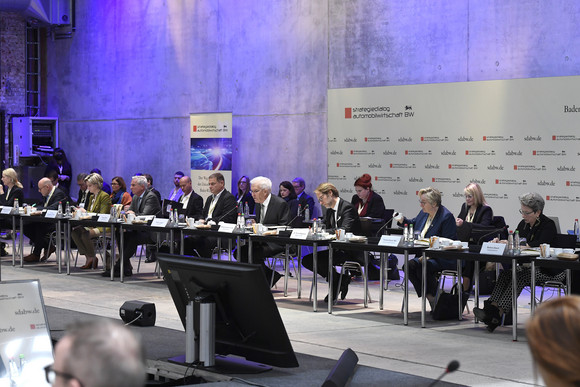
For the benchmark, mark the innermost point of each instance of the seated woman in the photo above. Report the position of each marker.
(244, 195)
(83, 236)
(368, 203)
(476, 212)
(13, 191)
(554, 338)
(286, 191)
(120, 194)
(433, 220)
(537, 228)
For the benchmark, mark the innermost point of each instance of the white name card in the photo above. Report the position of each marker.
(390, 240)
(51, 213)
(104, 218)
(227, 227)
(299, 233)
(159, 222)
(492, 248)
(6, 210)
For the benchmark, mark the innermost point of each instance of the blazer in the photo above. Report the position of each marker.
(278, 212)
(86, 199)
(347, 218)
(157, 194)
(57, 196)
(224, 210)
(101, 204)
(305, 199)
(149, 204)
(247, 198)
(15, 193)
(543, 231)
(375, 207)
(194, 206)
(483, 215)
(442, 225)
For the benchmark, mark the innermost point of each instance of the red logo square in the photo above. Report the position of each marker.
(376, 178)
(338, 164)
(496, 181)
(548, 197)
(466, 152)
(515, 167)
(553, 138)
(351, 152)
(391, 165)
(449, 166)
(406, 152)
(484, 138)
(195, 128)
(421, 138)
(534, 153)
(433, 180)
(567, 183)
(366, 139)
(347, 112)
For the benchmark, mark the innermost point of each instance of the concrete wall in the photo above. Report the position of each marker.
(124, 85)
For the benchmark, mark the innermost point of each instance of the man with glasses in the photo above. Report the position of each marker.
(98, 353)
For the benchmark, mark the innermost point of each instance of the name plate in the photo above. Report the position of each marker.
(227, 227)
(104, 218)
(390, 240)
(493, 248)
(51, 213)
(299, 233)
(159, 222)
(6, 210)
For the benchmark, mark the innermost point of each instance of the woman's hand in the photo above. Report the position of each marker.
(459, 222)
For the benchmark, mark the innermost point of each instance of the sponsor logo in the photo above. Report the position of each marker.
(571, 109)
(402, 165)
(571, 183)
(417, 153)
(461, 166)
(479, 153)
(390, 153)
(510, 182)
(346, 190)
(373, 165)
(445, 180)
(336, 177)
(415, 180)
(550, 183)
(464, 138)
(513, 153)
(377, 139)
(498, 138)
(335, 152)
(349, 139)
(431, 166)
(565, 138)
(560, 198)
(533, 138)
(405, 139)
(20, 312)
(548, 153)
(478, 181)
(495, 167)
(448, 153)
(408, 107)
(388, 178)
(400, 193)
(564, 168)
(362, 152)
(434, 138)
(373, 112)
(332, 139)
(493, 195)
(347, 165)
(209, 129)
(457, 194)
(529, 168)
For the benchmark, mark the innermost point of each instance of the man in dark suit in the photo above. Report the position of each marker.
(303, 198)
(144, 203)
(192, 203)
(270, 210)
(339, 214)
(220, 206)
(83, 199)
(37, 232)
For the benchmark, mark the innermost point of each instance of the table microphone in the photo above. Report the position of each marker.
(226, 214)
(451, 367)
(297, 215)
(497, 230)
(387, 222)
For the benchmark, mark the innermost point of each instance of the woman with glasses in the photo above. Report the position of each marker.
(120, 194)
(433, 220)
(244, 195)
(536, 228)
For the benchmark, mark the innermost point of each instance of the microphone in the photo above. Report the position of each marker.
(497, 230)
(226, 214)
(451, 367)
(302, 210)
(387, 222)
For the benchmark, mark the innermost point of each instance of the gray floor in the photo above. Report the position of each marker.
(378, 337)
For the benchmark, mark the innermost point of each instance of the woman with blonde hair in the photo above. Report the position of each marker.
(475, 209)
(12, 191)
(554, 338)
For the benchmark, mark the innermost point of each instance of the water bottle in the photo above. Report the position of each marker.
(113, 214)
(406, 234)
(246, 209)
(67, 211)
(176, 217)
(306, 212)
(411, 235)
(510, 244)
(17, 206)
(299, 210)
(59, 212)
(577, 230)
(240, 223)
(517, 243)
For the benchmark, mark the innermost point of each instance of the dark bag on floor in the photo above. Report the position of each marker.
(446, 307)
(486, 281)
(393, 273)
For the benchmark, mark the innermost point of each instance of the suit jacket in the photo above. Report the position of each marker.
(15, 193)
(224, 210)
(293, 206)
(247, 198)
(442, 225)
(149, 204)
(194, 206)
(86, 200)
(57, 196)
(278, 212)
(375, 205)
(305, 199)
(347, 218)
(543, 231)
(157, 195)
(483, 215)
(101, 205)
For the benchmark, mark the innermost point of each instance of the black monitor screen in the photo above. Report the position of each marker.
(248, 323)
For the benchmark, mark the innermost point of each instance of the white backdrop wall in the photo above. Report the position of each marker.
(510, 136)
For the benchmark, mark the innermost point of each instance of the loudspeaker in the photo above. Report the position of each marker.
(141, 313)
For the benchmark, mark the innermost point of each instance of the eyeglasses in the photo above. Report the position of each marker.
(256, 190)
(51, 375)
(321, 197)
(526, 213)
(423, 202)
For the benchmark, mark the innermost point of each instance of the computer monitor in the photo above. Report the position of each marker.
(247, 321)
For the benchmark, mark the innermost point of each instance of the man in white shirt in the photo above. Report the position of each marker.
(177, 191)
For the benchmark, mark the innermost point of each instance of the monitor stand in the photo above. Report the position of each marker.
(202, 351)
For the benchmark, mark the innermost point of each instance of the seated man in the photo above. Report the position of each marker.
(177, 191)
(83, 200)
(339, 214)
(151, 188)
(220, 206)
(192, 202)
(303, 198)
(144, 203)
(38, 232)
(270, 210)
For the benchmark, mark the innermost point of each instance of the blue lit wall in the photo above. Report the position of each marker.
(124, 85)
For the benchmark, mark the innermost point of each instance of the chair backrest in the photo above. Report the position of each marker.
(557, 221)
(564, 241)
(464, 232)
(498, 222)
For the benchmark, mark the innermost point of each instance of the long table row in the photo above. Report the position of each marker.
(64, 225)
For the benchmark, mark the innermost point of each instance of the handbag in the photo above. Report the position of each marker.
(486, 281)
(446, 307)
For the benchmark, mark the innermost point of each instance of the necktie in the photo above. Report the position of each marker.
(262, 213)
(138, 204)
(330, 213)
